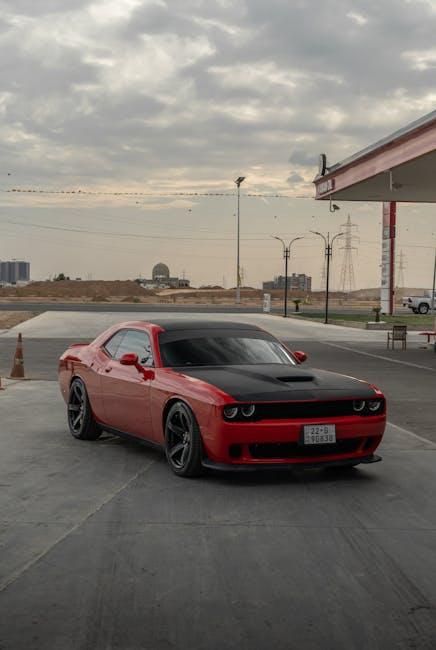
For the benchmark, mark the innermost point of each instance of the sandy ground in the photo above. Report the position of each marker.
(10, 319)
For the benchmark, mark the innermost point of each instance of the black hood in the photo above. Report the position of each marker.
(279, 382)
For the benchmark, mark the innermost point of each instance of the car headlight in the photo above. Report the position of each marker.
(248, 410)
(375, 405)
(230, 412)
(358, 405)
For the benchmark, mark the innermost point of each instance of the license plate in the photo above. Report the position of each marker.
(319, 434)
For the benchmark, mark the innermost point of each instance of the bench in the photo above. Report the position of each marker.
(398, 333)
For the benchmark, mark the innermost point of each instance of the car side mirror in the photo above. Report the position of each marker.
(131, 359)
(300, 356)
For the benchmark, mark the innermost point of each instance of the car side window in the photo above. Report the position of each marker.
(112, 345)
(139, 343)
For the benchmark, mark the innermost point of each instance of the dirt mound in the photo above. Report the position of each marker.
(204, 294)
(78, 289)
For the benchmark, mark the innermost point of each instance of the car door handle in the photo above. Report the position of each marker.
(108, 369)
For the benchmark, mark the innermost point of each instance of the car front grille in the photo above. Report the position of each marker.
(295, 450)
(307, 410)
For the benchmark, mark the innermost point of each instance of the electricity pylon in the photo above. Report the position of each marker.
(323, 274)
(402, 263)
(346, 279)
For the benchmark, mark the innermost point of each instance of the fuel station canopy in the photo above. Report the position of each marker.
(400, 167)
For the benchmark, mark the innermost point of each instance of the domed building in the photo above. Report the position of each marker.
(160, 272)
(161, 279)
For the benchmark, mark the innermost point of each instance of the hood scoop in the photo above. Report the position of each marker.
(296, 378)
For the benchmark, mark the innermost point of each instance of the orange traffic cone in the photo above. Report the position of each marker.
(17, 371)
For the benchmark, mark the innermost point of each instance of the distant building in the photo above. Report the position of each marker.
(296, 282)
(14, 272)
(162, 279)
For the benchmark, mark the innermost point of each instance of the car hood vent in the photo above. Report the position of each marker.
(295, 378)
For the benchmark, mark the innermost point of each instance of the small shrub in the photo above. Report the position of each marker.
(377, 311)
(99, 298)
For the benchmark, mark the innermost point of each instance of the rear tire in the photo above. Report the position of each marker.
(183, 444)
(423, 308)
(79, 414)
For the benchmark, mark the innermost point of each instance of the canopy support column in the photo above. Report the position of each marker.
(387, 290)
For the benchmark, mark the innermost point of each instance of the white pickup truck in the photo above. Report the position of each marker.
(420, 304)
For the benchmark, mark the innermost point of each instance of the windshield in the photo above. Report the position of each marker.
(223, 351)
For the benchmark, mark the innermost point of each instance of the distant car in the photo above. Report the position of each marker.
(419, 304)
(228, 396)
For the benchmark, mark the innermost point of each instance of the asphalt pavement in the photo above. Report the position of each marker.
(100, 307)
(104, 548)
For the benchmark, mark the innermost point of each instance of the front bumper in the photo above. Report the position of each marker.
(255, 467)
(278, 442)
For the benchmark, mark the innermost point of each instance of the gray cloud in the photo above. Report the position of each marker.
(150, 94)
(209, 86)
(293, 178)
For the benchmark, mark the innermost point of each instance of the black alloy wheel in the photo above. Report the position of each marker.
(183, 445)
(80, 420)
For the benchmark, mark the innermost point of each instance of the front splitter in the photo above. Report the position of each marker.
(259, 467)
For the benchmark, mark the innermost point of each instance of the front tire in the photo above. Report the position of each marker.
(423, 308)
(80, 419)
(183, 445)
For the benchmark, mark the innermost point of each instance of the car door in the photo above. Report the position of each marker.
(125, 392)
(93, 379)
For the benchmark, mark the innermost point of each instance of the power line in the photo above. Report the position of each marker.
(67, 242)
(157, 221)
(23, 190)
(128, 234)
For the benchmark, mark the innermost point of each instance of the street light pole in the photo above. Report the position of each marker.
(434, 282)
(328, 253)
(238, 182)
(286, 255)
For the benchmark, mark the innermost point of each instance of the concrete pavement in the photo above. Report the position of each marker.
(168, 307)
(84, 325)
(103, 547)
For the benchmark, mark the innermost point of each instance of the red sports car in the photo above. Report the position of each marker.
(221, 395)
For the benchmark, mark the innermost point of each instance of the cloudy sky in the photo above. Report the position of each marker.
(171, 96)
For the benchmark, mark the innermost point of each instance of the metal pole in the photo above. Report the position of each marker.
(286, 254)
(328, 253)
(434, 281)
(238, 182)
(238, 275)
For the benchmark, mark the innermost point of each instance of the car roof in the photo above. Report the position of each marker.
(185, 325)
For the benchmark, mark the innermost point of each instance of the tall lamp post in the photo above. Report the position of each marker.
(328, 253)
(238, 182)
(434, 282)
(286, 256)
